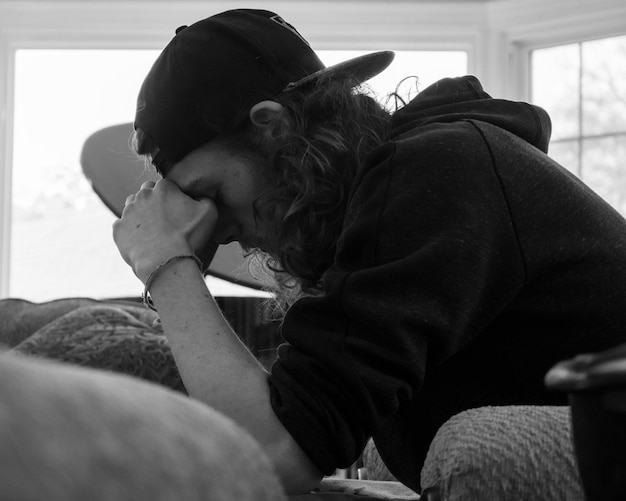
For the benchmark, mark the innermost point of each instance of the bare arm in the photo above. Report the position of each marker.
(215, 366)
(219, 370)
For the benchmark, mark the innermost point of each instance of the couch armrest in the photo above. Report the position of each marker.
(505, 453)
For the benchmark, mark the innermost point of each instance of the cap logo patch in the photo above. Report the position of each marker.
(279, 20)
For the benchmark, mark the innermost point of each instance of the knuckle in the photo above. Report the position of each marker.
(116, 230)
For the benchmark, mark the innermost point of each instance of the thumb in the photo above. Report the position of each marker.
(202, 224)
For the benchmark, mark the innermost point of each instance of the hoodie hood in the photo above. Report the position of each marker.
(463, 98)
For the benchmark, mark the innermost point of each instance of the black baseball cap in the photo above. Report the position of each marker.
(212, 72)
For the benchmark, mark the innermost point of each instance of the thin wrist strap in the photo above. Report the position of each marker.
(147, 300)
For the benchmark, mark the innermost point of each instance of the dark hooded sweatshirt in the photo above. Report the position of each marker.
(469, 264)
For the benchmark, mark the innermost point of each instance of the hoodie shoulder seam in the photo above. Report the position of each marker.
(504, 195)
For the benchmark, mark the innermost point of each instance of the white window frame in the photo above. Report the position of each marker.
(497, 36)
(537, 24)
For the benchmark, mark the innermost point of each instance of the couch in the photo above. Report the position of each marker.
(70, 433)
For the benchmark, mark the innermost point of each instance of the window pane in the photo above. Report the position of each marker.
(61, 242)
(556, 87)
(604, 86)
(583, 87)
(604, 161)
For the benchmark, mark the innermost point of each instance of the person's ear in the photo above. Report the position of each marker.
(266, 113)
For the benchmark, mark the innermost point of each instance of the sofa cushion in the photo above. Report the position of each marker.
(505, 453)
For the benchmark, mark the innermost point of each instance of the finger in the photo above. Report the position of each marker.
(129, 199)
(147, 185)
(165, 184)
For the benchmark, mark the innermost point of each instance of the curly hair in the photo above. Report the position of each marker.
(313, 154)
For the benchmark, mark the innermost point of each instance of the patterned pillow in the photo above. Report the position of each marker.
(117, 338)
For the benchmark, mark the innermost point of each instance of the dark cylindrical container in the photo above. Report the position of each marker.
(596, 384)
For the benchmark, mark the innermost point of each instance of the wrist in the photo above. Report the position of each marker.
(146, 265)
(162, 269)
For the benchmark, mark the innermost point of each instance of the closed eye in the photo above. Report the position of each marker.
(196, 189)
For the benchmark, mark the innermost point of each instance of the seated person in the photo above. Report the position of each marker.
(431, 258)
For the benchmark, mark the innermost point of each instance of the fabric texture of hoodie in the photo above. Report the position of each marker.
(468, 265)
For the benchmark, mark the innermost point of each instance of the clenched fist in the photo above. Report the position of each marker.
(160, 221)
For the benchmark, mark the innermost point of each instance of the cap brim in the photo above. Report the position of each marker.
(359, 69)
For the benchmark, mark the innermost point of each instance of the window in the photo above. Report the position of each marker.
(61, 243)
(583, 88)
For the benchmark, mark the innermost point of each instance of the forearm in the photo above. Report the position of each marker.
(218, 369)
(160, 222)
(201, 339)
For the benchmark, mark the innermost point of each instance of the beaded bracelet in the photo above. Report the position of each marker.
(147, 301)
